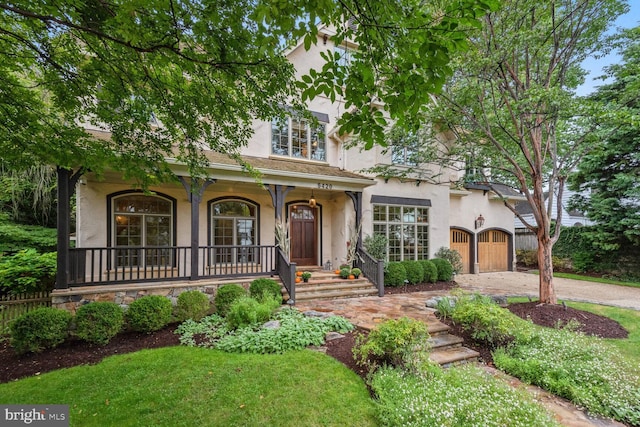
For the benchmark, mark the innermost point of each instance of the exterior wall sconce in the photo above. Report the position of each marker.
(312, 200)
(479, 221)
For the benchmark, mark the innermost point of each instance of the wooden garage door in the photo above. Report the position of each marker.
(461, 241)
(493, 251)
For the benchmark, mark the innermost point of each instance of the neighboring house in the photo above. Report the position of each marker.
(311, 180)
(525, 239)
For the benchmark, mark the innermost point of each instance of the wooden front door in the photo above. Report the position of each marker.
(461, 241)
(493, 251)
(303, 228)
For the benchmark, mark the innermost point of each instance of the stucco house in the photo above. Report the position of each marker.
(177, 237)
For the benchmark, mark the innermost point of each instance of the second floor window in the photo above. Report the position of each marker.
(404, 155)
(298, 138)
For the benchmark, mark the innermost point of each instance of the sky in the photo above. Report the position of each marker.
(595, 66)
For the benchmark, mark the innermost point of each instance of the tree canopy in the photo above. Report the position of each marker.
(513, 107)
(611, 170)
(168, 79)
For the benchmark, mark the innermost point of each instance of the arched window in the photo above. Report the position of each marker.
(234, 223)
(141, 221)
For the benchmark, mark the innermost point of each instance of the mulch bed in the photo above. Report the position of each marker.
(76, 352)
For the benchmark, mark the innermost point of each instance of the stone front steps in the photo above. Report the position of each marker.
(328, 285)
(367, 313)
(447, 350)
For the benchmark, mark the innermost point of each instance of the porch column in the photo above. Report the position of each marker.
(356, 198)
(66, 183)
(195, 190)
(278, 194)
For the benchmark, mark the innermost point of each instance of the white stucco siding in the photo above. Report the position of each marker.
(465, 210)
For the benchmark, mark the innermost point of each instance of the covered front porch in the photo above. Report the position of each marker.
(106, 253)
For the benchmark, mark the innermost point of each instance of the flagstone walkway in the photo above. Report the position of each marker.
(367, 312)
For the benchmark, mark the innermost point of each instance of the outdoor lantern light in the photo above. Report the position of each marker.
(312, 200)
(479, 221)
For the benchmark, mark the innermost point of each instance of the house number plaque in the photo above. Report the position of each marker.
(325, 186)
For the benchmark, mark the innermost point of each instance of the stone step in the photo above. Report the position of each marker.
(332, 294)
(447, 357)
(437, 328)
(333, 285)
(444, 340)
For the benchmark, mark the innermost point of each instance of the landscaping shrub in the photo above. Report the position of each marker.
(15, 237)
(527, 258)
(395, 342)
(246, 311)
(149, 313)
(395, 274)
(430, 271)
(376, 246)
(485, 320)
(27, 271)
(415, 272)
(98, 322)
(296, 332)
(226, 295)
(452, 256)
(445, 271)
(40, 329)
(192, 305)
(259, 286)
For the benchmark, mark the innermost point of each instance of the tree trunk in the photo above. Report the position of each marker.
(545, 265)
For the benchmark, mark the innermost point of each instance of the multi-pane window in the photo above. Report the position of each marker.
(298, 138)
(234, 223)
(406, 229)
(404, 155)
(144, 224)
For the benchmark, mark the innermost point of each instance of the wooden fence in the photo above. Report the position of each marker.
(13, 306)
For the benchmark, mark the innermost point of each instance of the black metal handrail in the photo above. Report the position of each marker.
(287, 273)
(372, 268)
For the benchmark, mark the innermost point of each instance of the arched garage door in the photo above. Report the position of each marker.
(493, 251)
(461, 242)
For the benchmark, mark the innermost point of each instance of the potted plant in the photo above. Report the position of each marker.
(306, 276)
(345, 272)
(356, 272)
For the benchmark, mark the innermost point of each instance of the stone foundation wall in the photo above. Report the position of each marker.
(123, 295)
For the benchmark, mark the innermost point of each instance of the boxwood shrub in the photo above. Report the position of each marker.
(415, 272)
(395, 274)
(430, 271)
(98, 322)
(192, 305)
(259, 286)
(149, 313)
(40, 329)
(445, 270)
(226, 295)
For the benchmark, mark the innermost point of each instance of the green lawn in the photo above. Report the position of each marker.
(183, 386)
(592, 279)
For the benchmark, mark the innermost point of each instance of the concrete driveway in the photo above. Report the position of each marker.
(526, 284)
